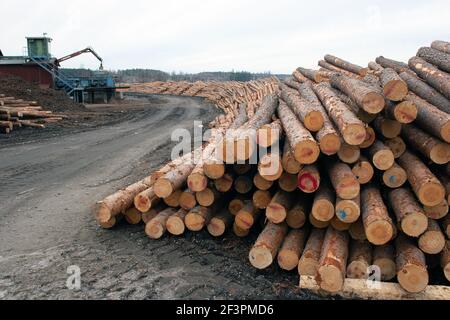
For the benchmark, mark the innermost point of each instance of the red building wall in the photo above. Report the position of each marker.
(31, 73)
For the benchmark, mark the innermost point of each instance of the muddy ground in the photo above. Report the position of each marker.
(50, 180)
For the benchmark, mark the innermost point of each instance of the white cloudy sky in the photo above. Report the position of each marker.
(201, 35)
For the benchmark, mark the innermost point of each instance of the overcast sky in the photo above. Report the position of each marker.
(201, 35)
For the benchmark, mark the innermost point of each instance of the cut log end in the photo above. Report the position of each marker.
(373, 103)
(163, 188)
(348, 211)
(260, 257)
(103, 213)
(331, 278)
(314, 121)
(387, 267)
(308, 266)
(330, 144)
(276, 213)
(154, 229)
(383, 159)
(379, 232)
(197, 182)
(431, 194)
(288, 260)
(432, 242)
(405, 112)
(306, 152)
(357, 270)
(395, 177)
(214, 170)
(175, 225)
(440, 153)
(363, 171)
(308, 182)
(445, 132)
(413, 278)
(194, 222)
(414, 224)
(216, 227)
(142, 203)
(323, 210)
(395, 90)
(354, 134)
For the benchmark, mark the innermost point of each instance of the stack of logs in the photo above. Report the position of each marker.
(227, 96)
(17, 113)
(361, 182)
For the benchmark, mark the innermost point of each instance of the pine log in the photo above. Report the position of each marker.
(296, 216)
(412, 272)
(389, 63)
(220, 223)
(198, 218)
(431, 147)
(291, 249)
(432, 241)
(339, 225)
(288, 182)
(425, 185)
(149, 215)
(224, 183)
(437, 212)
(363, 170)
(323, 204)
(356, 230)
(269, 167)
(261, 199)
(387, 128)
(145, 200)
(445, 260)
(174, 199)
(187, 199)
(361, 114)
(236, 205)
(446, 225)
(243, 184)
(436, 78)
(328, 66)
(269, 134)
(317, 223)
(156, 228)
(333, 261)
(375, 67)
(384, 258)
(343, 180)
(288, 161)
(431, 119)
(351, 128)
(261, 183)
(409, 213)
(133, 216)
(349, 154)
(309, 261)
(436, 57)
(299, 77)
(247, 216)
(208, 197)
(370, 138)
(308, 179)
(240, 232)
(267, 245)
(360, 259)
(425, 91)
(346, 65)
(279, 206)
(348, 211)
(175, 223)
(395, 176)
(367, 98)
(397, 146)
(313, 75)
(377, 223)
(382, 157)
(402, 112)
(292, 82)
(394, 88)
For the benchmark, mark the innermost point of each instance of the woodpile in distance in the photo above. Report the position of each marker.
(17, 113)
(359, 188)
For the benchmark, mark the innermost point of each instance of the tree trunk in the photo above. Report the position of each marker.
(288, 162)
(333, 261)
(309, 179)
(198, 218)
(432, 241)
(445, 260)
(348, 211)
(436, 57)
(156, 228)
(261, 199)
(266, 246)
(431, 147)
(389, 63)
(269, 167)
(382, 157)
(304, 146)
(394, 88)
(367, 98)
(188, 200)
(279, 206)
(246, 217)
(296, 217)
(402, 112)
(397, 146)
(357, 231)
(409, 213)
(145, 200)
(349, 154)
(220, 223)
(384, 258)
(346, 65)
(351, 128)
(310, 114)
(377, 223)
(261, 183)
(363, 170)
(323, 205)
(288, 182)
(291, 249)
(395, 176)
(426, 92)
(309, 261)
(225, 183)
(426, 186)
(343, 180)
(360, 259)
(436, 78)
(175, 223)
(412, 272)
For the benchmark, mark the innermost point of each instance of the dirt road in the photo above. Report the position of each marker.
(48, 188)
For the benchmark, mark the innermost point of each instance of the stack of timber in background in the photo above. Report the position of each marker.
(17, 113)
(360, 182)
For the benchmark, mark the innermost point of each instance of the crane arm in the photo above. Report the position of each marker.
(86, 50)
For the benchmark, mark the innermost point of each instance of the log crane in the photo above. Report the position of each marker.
(75, 54)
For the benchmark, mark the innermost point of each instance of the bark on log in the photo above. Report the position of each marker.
(363, 170)
(384, 258)
(370, 138)
(339, 225)
(288, 161)
(309, 261)
(436, 57)
(432, 241)
(403, 112)
(351, 128)
(346, 65)
(266, 246)
(304, 147)
(309, 179)
(409, 213)
(323, 205)
(357, 231)
(431, 147)
(361, 114)
(377, 223)
(333, 68)
(425, 91)
(299, 77)
(412, 272)
(426, 186)
(279, 206)
(333, 261)
(292, 82)
(291, 249)
(442, 46)
(394, 88)
(436, 78)
(382, 157)
(360, 259)
(389, 63)
(313, 75)
(343, 180)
